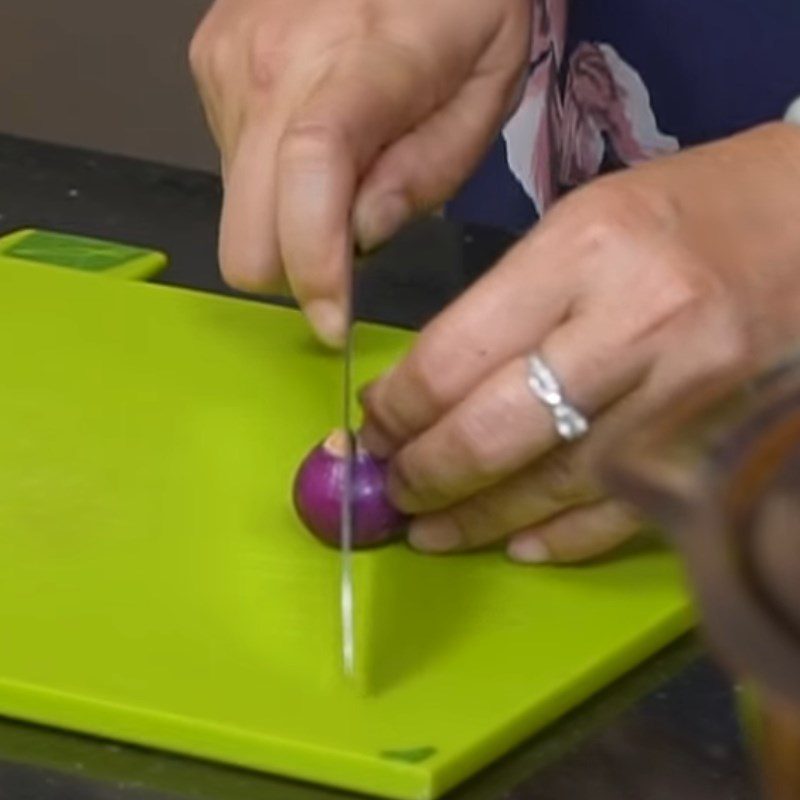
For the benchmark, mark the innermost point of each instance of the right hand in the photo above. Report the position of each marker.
(342, 116)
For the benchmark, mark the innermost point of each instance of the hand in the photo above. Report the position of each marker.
(334, 113)
(636, 289)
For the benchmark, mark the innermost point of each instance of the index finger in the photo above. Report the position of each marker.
(328, 144)
(502, 316)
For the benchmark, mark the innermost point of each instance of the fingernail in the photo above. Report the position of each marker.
(434, 534)
(529, 550)
(375, 440)
(328, 320)
(380, 219)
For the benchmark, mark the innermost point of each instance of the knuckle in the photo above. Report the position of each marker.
(386, 414)
(562, 479)
(387, 401)
(734, 351)
(196, 52)
(312, 142)
(677, 286)
(266, 59)
(409, 480)
(479, 443)
(210, 55)
(201, 45)
(386, 410)
(680, 285)
(426, 371)
(479, 520)
(613, 212)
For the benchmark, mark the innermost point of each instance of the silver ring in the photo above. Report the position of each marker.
(570, 423)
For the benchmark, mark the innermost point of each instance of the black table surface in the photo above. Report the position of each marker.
(667, 731)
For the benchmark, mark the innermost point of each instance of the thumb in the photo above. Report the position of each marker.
(425, 168)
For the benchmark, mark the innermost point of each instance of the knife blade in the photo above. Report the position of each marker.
(347, 589)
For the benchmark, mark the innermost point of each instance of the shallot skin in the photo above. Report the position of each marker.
(318, 490)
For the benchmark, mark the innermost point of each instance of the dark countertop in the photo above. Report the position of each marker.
(666, 731)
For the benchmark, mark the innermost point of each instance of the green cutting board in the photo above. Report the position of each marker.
(156, 587)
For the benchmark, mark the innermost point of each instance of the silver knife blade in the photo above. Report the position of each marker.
(346, 591)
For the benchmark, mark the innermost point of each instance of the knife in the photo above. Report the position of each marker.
(346, 587)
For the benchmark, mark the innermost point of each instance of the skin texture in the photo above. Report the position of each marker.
(338, 119)
(637, 289)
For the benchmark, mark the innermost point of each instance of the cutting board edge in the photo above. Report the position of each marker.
(392, 780)
(183, 735)
(468, 762)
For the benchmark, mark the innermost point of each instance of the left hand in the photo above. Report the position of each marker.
(636, 289)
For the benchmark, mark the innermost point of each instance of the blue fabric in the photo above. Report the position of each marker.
(493, 196)
(712, 68)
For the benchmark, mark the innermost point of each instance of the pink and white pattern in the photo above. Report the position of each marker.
(557, 139)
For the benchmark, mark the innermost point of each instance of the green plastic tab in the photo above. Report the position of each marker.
(52, 248)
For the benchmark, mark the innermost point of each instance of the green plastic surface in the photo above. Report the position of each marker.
(56, 249)
(156, 587)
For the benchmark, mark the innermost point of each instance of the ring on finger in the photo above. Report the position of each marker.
(570, 423)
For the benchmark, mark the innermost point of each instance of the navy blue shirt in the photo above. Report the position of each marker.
(626, 80)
